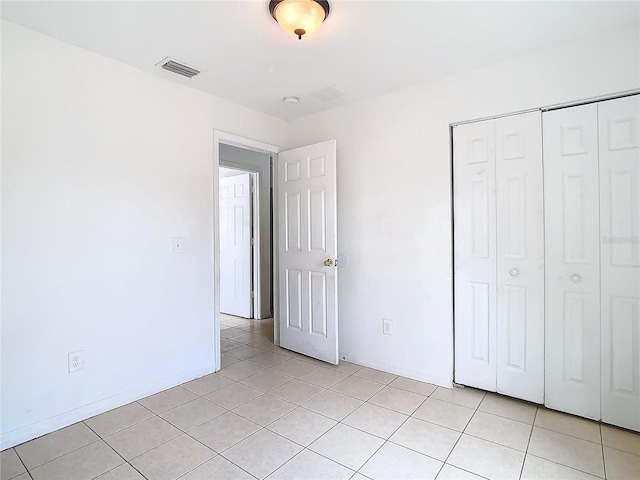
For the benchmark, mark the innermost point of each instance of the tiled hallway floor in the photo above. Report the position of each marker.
(272, 413)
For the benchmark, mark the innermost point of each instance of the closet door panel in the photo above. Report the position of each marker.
(619, 131)
(475, 256)
(572, 261)
(520, 257)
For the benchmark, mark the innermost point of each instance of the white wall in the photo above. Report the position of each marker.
(101, 166)
(394, 191)
(261, 163)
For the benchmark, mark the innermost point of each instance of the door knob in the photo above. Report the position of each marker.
(575, 278)
(328, 262)
(513, 272)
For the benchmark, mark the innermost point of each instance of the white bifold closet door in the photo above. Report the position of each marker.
(475, 254)
(572, 273)
(619, 134)
(499, 258)
(592, 230)
(520, 255)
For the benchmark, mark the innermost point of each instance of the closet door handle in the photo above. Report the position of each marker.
(513, 272)
(575, 278)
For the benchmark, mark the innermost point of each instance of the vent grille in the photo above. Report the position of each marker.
(179, 68)
(326, 92)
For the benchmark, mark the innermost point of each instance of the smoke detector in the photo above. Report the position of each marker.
(290, 100)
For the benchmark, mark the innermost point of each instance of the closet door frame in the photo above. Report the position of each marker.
(602, 364)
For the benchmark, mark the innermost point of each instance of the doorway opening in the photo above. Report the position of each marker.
(243, 238)
(303, 266)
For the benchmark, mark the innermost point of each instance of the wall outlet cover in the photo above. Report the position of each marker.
(387, 326)
(76, 361)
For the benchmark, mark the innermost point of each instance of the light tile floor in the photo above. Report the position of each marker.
(271, 413)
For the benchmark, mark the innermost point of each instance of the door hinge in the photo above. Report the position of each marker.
(252, 294)
(253, 241)
(253, 189)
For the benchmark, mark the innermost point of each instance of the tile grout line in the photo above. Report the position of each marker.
(126, 462)
(59, 456)
(249, 420)
(22, 462)
(604, 462)
(303, 449)
(565, 466)
(453, 448)
(569, 435)
(217, 453)
(456, 444)
(157, 415)
(388, 440)
(526, 452)
(333, 460)
(461, 433)
(419, 419)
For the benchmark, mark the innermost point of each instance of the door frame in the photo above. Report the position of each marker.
(255, 236)
(220, 137)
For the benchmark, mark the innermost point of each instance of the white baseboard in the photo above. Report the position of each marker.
(441, 381)
(34, 430)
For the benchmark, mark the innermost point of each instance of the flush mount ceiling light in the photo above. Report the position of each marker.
(299, 17)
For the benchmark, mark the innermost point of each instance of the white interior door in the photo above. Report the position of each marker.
(572, 267)
(235, 246)
(619, 131)
(475, 254)
(307, 238)
(520, 257)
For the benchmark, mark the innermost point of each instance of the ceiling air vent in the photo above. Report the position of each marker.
(326, 92)
(179, 68)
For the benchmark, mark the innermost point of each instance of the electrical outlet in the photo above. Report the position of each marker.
(387, 326)
(76, 361)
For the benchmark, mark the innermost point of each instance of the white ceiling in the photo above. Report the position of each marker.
(365, 48)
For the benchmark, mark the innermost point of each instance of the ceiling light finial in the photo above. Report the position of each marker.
(299, 17)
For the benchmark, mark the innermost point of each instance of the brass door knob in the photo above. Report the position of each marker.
(328, 262)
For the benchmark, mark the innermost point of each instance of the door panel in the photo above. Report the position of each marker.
(293, 299)
(619, 130)
(572, 263)
(235, 246)
(475, 255)
(520, 257)
(307, 238)
(292, 225)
